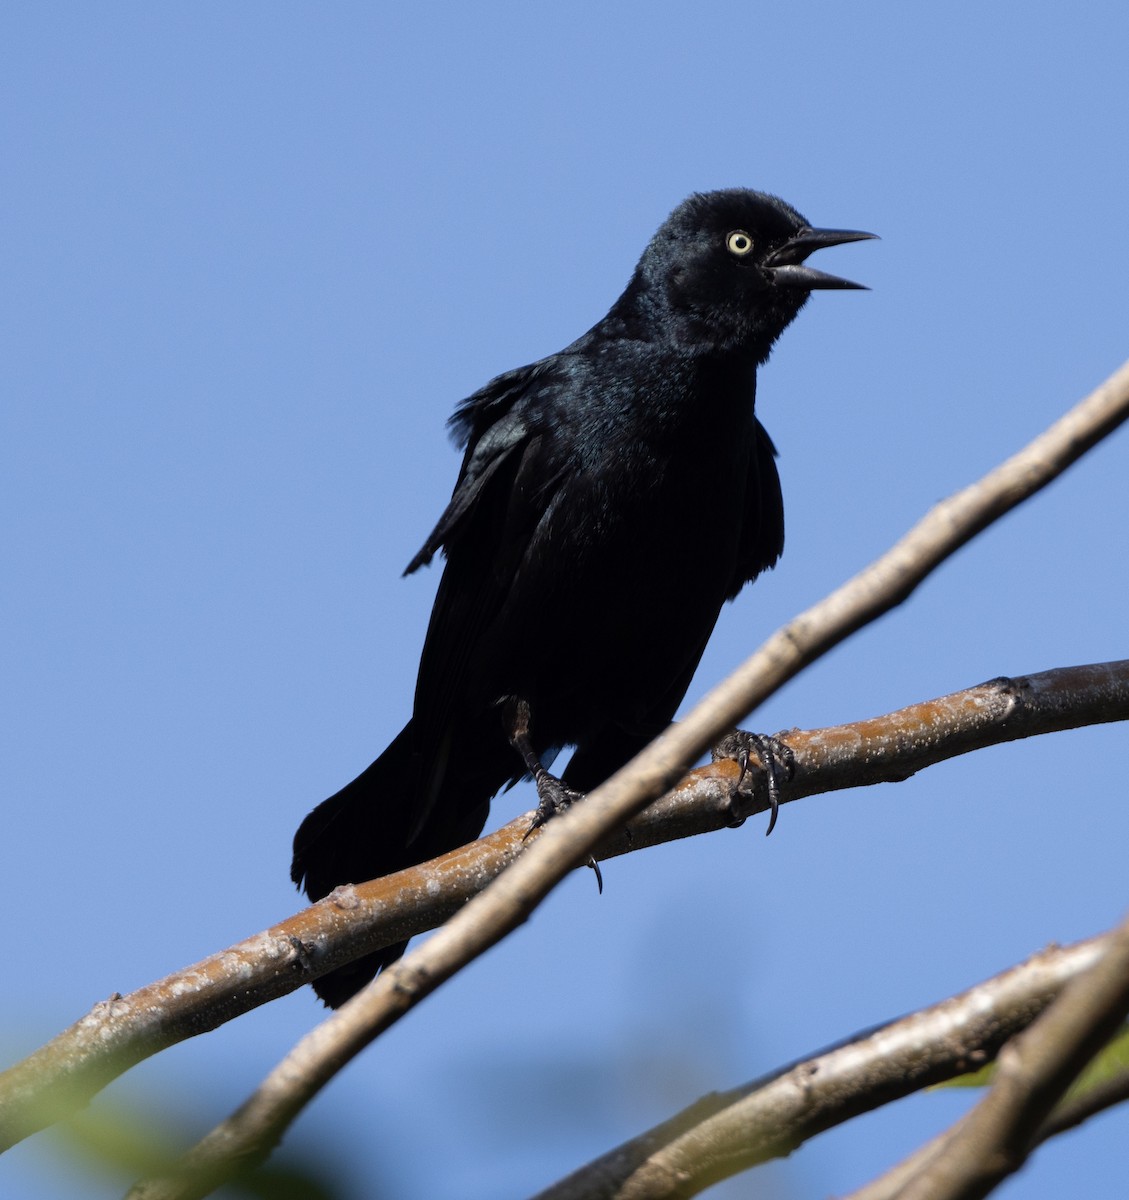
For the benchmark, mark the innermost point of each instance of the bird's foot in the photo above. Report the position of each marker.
(553, 797)
(553, 794)
(777, 762)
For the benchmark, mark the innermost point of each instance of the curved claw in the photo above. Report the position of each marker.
(548, 808)
(599, 878)
(553, 796)
(772, 752)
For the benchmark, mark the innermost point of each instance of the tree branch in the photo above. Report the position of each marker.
(250, 1133)
(1065, 1116)
(1073, 1111)
(729, 1132)
(994, 1140)
(122, 1031)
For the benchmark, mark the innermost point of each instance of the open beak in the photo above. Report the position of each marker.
(786, 265)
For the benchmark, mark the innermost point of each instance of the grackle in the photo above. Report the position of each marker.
(611, 498)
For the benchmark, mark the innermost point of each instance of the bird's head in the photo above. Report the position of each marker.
(727, 270)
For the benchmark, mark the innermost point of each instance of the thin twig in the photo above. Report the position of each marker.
(250, 1133)
(1074, 1110)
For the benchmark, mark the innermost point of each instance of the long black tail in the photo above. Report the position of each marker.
(367, 830)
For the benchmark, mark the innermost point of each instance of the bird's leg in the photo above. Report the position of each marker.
(553, 795)
(776, 760)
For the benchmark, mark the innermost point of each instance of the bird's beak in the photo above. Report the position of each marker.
(786, 268)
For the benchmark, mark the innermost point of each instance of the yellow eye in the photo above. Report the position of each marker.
(739, 243)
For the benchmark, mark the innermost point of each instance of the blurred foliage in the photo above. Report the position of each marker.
(1109, 1063)
(127, 1140)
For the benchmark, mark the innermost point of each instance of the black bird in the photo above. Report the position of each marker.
(611, 498)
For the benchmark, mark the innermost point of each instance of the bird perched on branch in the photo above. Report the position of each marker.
(611, 498)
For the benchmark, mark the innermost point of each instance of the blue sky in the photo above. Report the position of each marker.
(253, 254)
